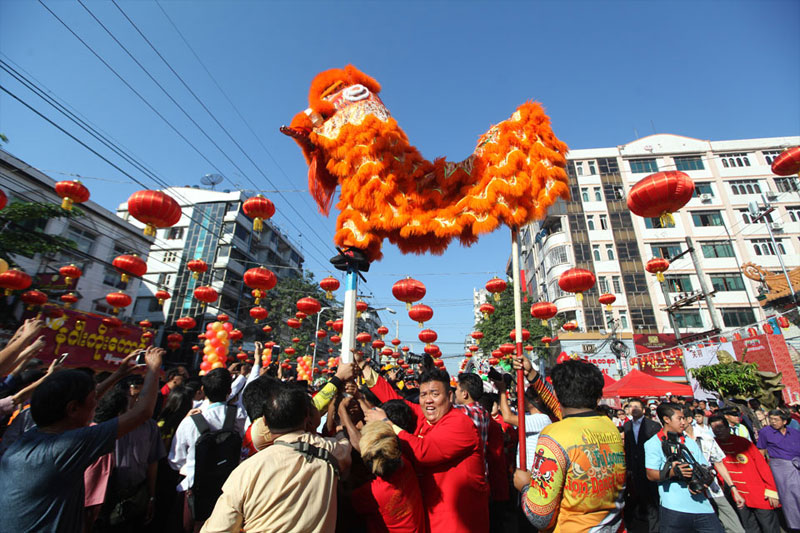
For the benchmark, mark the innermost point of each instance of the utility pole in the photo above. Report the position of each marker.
(712, 309)
(757, 214)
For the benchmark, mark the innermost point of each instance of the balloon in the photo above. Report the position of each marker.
(207, 349)
(205, 365)
(213, 358)
(222, 334)
(221, 352)
(210, 326)
(216, 326)
(215, 342)
(218, 364)
(228, 327)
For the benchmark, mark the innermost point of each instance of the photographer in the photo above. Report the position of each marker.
(678, 466)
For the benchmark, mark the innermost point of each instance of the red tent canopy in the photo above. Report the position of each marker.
(607, 382)
(637, 383)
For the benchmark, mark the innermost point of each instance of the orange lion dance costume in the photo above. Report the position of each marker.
(389, 191)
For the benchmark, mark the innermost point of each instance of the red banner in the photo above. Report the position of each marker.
(88, 341)
(53, 283)
(661, 367)
(770, 354)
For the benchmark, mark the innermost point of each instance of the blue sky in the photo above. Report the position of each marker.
(604, 71)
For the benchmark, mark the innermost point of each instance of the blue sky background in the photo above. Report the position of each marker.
(603, 70)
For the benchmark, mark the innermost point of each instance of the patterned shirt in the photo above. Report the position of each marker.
(480, 418)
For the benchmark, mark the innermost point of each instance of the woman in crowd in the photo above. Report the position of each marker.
(781, 444)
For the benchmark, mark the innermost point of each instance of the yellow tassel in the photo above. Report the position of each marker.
(358, 314)
(328, 295)
(421, 324)
(666, 220)
(544, 322)
(160, 301)
(8, 292)
(660, 276)
(408, 306)
(196, 275)
(150, 230)
(579, 296)
(608, 307)
(497, 297)
(255, 321)
(257, 225)
(125, 278)
(66, 203)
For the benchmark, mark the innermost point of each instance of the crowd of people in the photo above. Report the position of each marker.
(252, 448)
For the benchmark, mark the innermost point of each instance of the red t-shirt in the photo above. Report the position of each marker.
(393, 504)
(498, 467)
(510, 439)
(165, 390)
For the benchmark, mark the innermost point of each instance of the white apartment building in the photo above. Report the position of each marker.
(596, 231)
(99, 236)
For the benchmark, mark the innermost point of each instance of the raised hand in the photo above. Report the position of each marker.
(153, 357)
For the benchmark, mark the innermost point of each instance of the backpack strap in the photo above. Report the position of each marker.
(201, 423)
(230, 418)
(311, 452)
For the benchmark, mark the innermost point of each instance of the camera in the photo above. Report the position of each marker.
(413, 359)
(675, 451)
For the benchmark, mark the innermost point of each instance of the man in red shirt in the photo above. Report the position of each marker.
(751, 476)
(175, 378)
(447, 453)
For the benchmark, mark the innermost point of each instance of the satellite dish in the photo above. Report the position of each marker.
(212, 180)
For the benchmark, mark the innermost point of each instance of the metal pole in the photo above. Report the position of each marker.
(673, 323)
(698, 268)
(780, 260)
(523, 461)
(314, 356)
(349, 314)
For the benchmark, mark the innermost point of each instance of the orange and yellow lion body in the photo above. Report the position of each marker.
(389, 191)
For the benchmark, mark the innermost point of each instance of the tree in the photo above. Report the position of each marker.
(22, 229)
(739, 380)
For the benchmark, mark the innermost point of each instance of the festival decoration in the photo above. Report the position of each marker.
(235, 335)
(428, 336)
(300, 316)
(737, 336)
(145, 324)
(258, 314)
(506, 348)
(569, 326)
(295, 340)
(512, 177)
(111, 322)
(3, 200)
(33, 298)
(420, 313)
(174, 341)
(361, 306)
(267, 329)
(496, 286)
(308, 305)
(329, 285)
(544, 311)
(293, 323)
(338, 325)
(206, 294)
(216, 345)
(752, 332)
(657, 266)
(222, 317)
(129, 265)
(477, 335)
(528, 348)
(660, 195)
(607, 299)
(546, 341)
(562, 357)
(197, 267)
(382, 331)
(147, 336)
(387, 352)
(363, 337)
(783, 322)
(378, 344)
(787, 163)
(118, 300)
(71, 192)
(69, 299)
(14, 280)
(70, 272)
(486, 309)
(473, 348)
(409, 290)
(261, 280)
(396, 342)
(766, 327)
(258, 208)
(186, 323)
(405, 349)
(154, 209)
(162, 296)
(525, 335)
(321, 334)
(576, 280)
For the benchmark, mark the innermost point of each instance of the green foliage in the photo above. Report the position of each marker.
(735, 379)
(22, 225)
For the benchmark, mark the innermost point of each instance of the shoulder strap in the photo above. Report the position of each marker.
(201, 423)
(230, 418)
(311, 452)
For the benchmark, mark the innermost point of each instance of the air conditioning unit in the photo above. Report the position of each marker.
(771, 195)
(776, 226)
(706, 197)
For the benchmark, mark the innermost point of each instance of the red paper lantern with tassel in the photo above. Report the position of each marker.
(409, 290)
(154, 209)
(71, 192)
(258, 208)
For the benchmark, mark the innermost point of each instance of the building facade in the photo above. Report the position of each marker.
(99, 236)
(595, 230)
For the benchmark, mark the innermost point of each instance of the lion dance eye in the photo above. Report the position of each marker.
(354, 93)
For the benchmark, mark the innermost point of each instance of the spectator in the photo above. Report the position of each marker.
(568, 457)
(16, 351)
(254, 398)
(500, 496)
(41, 475)
(289, 486)
(641, 494)
(536, 418)
(752, 477)
(782, 444)
(682, 509)
(468, 391)
(400, 414)
(175, 378)
(734, 418)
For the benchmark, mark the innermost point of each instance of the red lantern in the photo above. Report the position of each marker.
(409, 290)
(118, 300)
(783, 322)
(660, 194)
(261, 280)
(321, 333)
(329, 285)
(154, 209)
(295, 339)
(258, 208)
(569, 326)
(562, 358)
(766, 327)
(147, 335)
(723, 339)
(290, 351)
(657, 266)
(420, 313)
(69, 299)
(145, 324)
(378, 344)
(528, 348)
(71, 192)
(70, 272)
(186, 323)
(3, 200)
(577, 280)
(383, 330)
(363, 337)
(162, 296)
(386, 352)
(129, 265)
(336, 339)
(496, 286)
(235, 335)
(308, 305)
(787, 163)
(300, 315)
(197, 267)
(361, 306)
(14, 280)
(241, 356)
(223, 317)
(206, 294)
(267, 329)
(607, 299)
(175, 337)
(405, 349)
(428, 336)
(525, 334)
(497, 353)
(477, 335)
(258, 313)
(293, 323)
(486, 309)
(546, 341)
(396, 341)
(33, 298)
(493, 360)
(544, 311)
(431, 349)
(752, 332)
(112, 322)
(473, 348)
(338, 325)
(506, 348)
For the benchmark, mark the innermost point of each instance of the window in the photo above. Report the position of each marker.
(737, 317)
(596, 252)
(643, 166)
(592, 168)
(241, 232)
(688, 319)
(679, 283)
(174, 233)
(170, 257)
(556, 256)
(603, 284)
(164, 279)
(223, 251)
(655, 223)
(608, 165)
(610, 251)
(585, 193)
(83, 239)
(727, 282)
(714, 249)
(765, 246)
(555, 292)
(747, 217)
(745, 187)
(598, 194)
(794, 213)
(227, 228)
(770, 155)
(689, 162)
(734, 160)
(616, 282)
(707, 218)
(702, 187)
(666, 250)
(590, 221)
(618, 191)
(579, 168)
(603, 221)
(787, 184)
(623, 320)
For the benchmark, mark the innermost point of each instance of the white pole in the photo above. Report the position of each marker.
(349, 315)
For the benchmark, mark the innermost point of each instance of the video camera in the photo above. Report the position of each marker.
(676, 451)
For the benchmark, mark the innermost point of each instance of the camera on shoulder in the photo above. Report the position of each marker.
(675, 451)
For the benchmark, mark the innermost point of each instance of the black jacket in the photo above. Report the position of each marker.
(638, 484)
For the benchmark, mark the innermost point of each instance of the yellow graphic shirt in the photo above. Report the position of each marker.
(578, 476)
